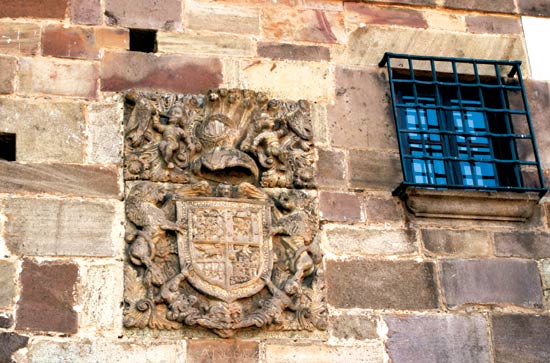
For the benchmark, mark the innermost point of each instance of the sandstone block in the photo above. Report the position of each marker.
(312, 53)
(372, 284)
(503, 6)
(303, 25)
(174, 73)
(362, 241)
(361, 116)
(112, 38)
(340, 207)
(46, 131)
(86, 12)
(374, 170)
(56, 77)
(456, 243)
(371, 352)
(61, 179)
(9, 344)
(491, 281)
(438, 338)
(521, 338)
(352, 326)
(52, 227)
(534, 7)
(287, 80)
(522, 244)
(445, 20)
(144, 14)
(54, 9)
(19, 38)
(47, 297)
(331, 168)
(407, 2)
(8, 283)
(105, 133)
(219, 18)
(538, 94)
(7, 77)
(493, 24)
(383, 211)
(205, 43)
(357, 13)
(222, 351)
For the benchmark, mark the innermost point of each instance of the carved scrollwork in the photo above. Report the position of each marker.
(221, 229)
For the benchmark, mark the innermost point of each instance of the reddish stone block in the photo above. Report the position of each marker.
(313, 53)
(493, 25)
(374, 170)
(112, 38)
(538, 94)
(144, 14)
(382, 211)
(369, 14)
(534, 7)
(371, 284)
(47, 297)
(340, 207)
(86, 12)
(522, 244)
(175, 73)
(33, 9)
(19, 38)
(405, 2)
(222, 351)
(438, 338)
(521, 338)
(74, 42)
(501, 6)
(8, 65)
(491, 281)
(331, 168)
(9, 344)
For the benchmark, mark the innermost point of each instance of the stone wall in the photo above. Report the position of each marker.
(400, 288)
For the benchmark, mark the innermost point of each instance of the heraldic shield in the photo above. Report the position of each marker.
(227, 245)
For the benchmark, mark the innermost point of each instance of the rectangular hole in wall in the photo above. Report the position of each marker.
(7, 146)
(143, 40)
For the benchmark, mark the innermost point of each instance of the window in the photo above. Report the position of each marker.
(462, 124)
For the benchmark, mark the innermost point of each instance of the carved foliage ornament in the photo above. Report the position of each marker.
(221, 213)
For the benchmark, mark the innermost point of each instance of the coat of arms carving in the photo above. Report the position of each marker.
(221, 213)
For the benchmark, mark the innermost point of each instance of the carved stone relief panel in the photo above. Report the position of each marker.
(221, 212)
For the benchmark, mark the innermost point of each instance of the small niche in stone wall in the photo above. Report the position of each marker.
(7, 146)
(221, 213)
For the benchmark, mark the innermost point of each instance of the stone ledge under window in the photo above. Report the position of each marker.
(462, 204)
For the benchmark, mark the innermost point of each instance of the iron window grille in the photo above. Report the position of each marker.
(460, 131)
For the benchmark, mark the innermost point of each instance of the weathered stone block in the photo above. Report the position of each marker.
(407, 2)
(438, 338)
(47, 131)
(359, 241)
(521, 338)
(314, 53)
(361, 115)
(222, 351)
(374, 170)
(112, 38)
(445, 20)
(545, 274)
(73, 42)
(456, 243)
(105, 133)
(144, 14)
(372, 284)
(371, 352)
(219, 18)
(57, 77)
(122, 71)
(493, 24)
(340, 207)
(383, 211)
(61, 179)
(86, 12)
(19, 38)
(8, 283)
(357, 13)
(54, 9)
(285, 80)
(52, 227)
(303, 25)
(538, 94)
(491, 281)
(205, 43)
(502, 6)
(534, 7)
(331, 168)
(8, 65)
(352, 326)
(522, 244)
(47, 297)
(9, 344)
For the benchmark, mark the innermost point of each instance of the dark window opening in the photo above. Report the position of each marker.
(143, 40)
(7, 146)
(457, 131)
